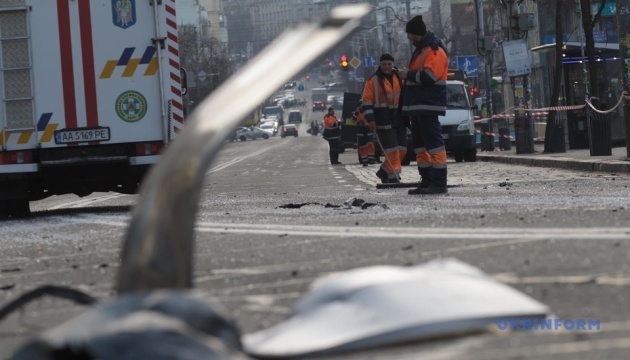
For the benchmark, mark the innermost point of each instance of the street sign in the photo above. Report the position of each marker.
(516, 57)
(355, 62)
(468, 64)
(369, 61)
(359, 72)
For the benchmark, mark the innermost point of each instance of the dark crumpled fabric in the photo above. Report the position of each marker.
(174, 325)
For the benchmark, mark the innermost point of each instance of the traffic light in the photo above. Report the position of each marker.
(344, 62)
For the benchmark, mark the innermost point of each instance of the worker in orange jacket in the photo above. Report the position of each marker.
(365, 145)
(332, 134)
(379, 101)
(423, 100)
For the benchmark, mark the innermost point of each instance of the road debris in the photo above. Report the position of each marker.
(384, 305)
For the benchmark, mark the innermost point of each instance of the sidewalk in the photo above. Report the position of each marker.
(578, 159)
(572, 159)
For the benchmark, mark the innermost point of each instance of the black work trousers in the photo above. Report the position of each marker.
(333, 150)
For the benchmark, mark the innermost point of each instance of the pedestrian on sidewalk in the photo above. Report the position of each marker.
(365, 144)
(332, 134)
(380, 99)
(423, 100)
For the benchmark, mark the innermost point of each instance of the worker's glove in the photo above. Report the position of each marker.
(372, 125)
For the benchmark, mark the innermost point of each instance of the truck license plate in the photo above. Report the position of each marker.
(81, 135)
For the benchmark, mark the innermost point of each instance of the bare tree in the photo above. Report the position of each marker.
(199, 53)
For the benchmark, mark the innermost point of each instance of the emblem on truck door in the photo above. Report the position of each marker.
(131, 106)
(124, 13)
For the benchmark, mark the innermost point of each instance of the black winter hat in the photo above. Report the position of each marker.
(416, 26)
(386, 57)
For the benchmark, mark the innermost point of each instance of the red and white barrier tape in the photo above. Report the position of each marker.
(495, 134)
(537, 114)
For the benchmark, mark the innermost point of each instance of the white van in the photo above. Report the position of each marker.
(458, 127)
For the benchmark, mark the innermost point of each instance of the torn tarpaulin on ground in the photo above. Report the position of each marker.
(383, 305)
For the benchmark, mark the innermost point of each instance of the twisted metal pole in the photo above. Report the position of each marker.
(158, 247)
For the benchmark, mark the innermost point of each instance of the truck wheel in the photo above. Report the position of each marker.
(470, 155)
(459, 157)
(19, 208)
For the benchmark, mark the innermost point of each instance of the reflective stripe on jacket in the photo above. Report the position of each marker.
(425, 85)
(381, 105)
(331, 128)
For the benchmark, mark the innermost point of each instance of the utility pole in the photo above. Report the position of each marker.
(581, 35)
(436, 15)
(523, 125)
(408, 4)
(485, 47)
(623, 21)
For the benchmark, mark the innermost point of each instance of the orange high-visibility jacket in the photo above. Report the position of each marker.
(331, 128)
(380, 100)
(425, 85)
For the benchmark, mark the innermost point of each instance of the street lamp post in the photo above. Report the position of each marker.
(523, 124)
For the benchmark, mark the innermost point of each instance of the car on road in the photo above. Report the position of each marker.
(252, 133)
(336, 87)
(289, 130)
(277, 111)
(295, 116)
(336, 101)
(319, 106)
(270, 126)
(234, 137)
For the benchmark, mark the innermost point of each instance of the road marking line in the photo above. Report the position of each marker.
(420, 233)
(83, 202)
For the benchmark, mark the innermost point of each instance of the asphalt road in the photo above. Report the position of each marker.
(559, 236)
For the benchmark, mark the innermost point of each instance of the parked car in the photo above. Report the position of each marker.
(295, 116)
(289, 130)
(458, 127)
(252, 133)
(319, 106)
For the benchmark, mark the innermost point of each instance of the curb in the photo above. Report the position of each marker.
(613, 166)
